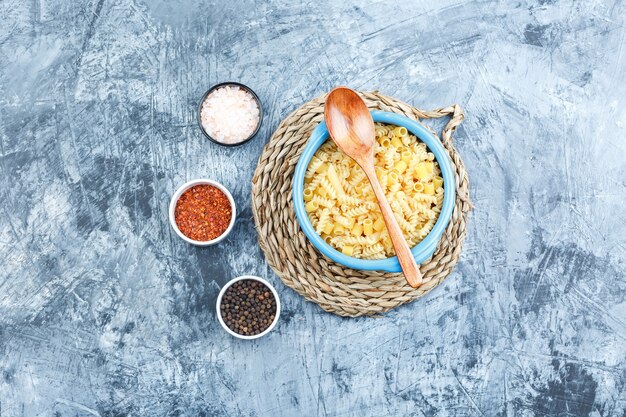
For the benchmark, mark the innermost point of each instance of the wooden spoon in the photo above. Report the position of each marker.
(351, 127)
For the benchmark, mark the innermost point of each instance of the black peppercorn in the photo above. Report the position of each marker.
(248, 307)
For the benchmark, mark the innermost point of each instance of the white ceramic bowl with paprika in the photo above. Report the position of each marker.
(185, 187)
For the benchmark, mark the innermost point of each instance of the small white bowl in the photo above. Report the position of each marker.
(219, 302)
(180, 192)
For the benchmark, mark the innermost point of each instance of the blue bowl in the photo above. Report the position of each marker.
(421, 251)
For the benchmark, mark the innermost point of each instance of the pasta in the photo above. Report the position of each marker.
(341, 204)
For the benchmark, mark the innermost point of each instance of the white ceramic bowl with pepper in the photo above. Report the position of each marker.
(248, 307)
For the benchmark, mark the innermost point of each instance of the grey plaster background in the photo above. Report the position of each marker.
(105, 312)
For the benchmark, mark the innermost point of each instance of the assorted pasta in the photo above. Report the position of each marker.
(341, 204)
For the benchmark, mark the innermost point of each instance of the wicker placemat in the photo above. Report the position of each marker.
(335, 288)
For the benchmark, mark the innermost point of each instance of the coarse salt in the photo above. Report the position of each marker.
(230, 114)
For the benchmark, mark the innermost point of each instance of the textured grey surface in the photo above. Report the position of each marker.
(105, 312)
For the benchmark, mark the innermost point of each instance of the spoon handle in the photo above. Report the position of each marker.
(407, 261)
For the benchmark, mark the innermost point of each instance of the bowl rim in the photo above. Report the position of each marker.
(185, 187)
(221, 295)
(243, 87)
(422, 250)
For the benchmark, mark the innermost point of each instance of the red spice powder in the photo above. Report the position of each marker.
(203, 212)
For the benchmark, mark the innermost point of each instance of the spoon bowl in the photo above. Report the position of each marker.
(351, 127)
(350, 122)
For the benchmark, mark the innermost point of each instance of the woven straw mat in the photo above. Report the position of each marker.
(338, 289)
